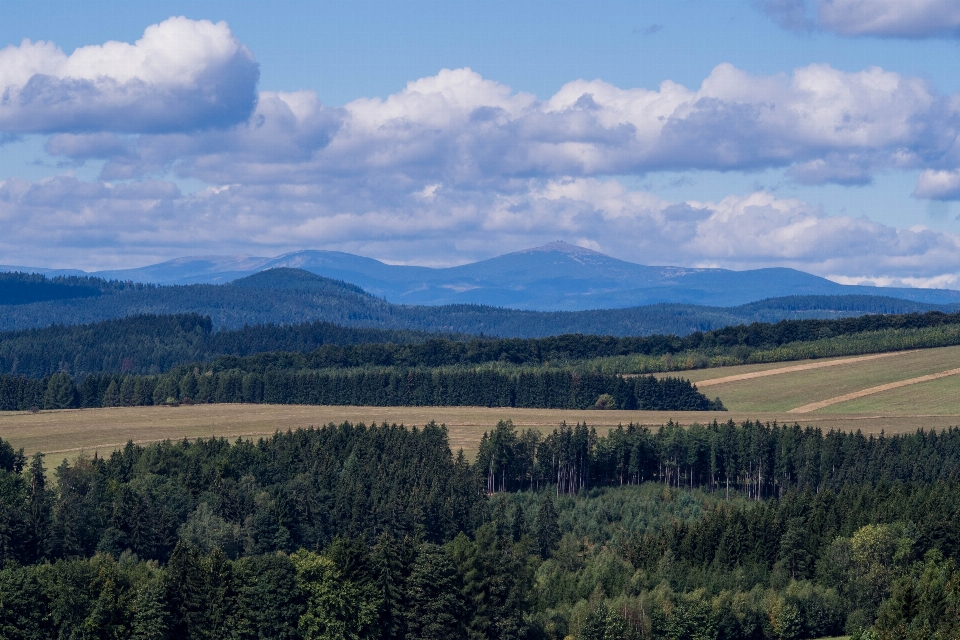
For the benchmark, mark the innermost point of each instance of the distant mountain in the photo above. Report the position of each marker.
(555, 277)
(292, 296)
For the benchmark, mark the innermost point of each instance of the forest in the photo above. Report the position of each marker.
(152, 344)
(138, 361)
(721, 531)
(544, 389)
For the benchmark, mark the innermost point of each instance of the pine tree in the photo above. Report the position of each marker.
(435, 608)
(111, 397)
(61, 392)
(39, 509)
(547, 527)
(518, 525)
(388, 578)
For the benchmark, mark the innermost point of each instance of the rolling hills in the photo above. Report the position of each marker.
(555, 277)
(292, 296)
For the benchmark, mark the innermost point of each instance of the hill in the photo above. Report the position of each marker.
(555, 277)
(289, 296)
(150, 344)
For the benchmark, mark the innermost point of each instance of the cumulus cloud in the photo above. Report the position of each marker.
(884, 18)
(938, 185)
(455, 164)
(457, 127)
(57, 220)
(182, 75)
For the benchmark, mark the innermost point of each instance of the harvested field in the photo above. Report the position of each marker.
(63, 434)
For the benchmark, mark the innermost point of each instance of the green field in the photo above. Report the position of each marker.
(786, 391)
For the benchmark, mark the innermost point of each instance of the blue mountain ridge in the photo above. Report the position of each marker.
(555, 277)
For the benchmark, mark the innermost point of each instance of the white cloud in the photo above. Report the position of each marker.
(457, 167)
(182, 75)
(884, 18)
(458, 128)
(938, 185)
(57, 221)
(898, 18)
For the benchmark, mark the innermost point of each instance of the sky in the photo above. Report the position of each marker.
(822, 135)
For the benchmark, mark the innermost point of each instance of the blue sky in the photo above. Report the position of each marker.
(820, 135)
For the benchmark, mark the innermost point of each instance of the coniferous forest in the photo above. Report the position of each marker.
(722, 531)
(542, 389)
(150, 344)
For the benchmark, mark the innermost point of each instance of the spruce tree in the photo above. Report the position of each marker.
(435, 607)
(38, 509)
(388, 577)
(61, 392)
(547, 527)
(111, 397)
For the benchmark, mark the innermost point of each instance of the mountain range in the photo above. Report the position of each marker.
(555, 277)
(285, 296)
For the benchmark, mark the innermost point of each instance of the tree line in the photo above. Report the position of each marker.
(752, 459)
(150, 344)
(548, 389)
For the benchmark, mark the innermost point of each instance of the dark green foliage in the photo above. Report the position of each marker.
(145, 344)
(546, 528)
(390, 563)
(149, 344)
(434, 607)
(496, 584)
(151, 618)
(61, 392)
(299, 489)
(396, 387)
(721, 531)
(26, 288)
(11, 459)
(24, 608)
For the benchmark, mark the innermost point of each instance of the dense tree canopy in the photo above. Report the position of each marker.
(722, 532)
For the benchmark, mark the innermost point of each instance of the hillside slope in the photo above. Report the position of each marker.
(288, 296)
(555, 277)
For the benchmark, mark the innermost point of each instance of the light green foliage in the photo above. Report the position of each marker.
(207, 531)
(337, 609)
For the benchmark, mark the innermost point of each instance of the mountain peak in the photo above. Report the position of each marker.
(559, 246)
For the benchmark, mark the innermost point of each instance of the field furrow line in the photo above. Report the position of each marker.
(813, 406)
(799, 367)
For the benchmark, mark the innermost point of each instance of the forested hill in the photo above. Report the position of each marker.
(291, 296)
(154, 344)
(27, 288)
(146, 344)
